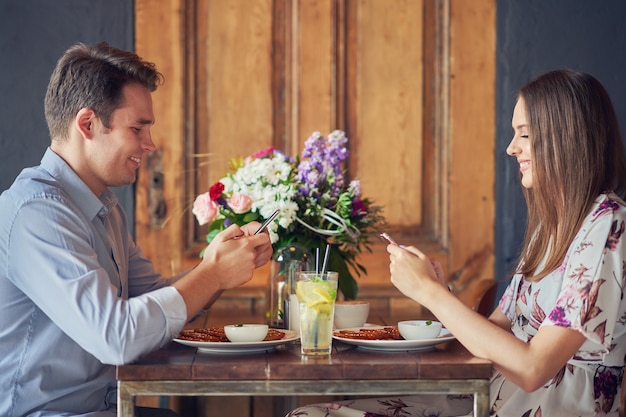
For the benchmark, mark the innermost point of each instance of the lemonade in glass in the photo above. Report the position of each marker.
(316, 294)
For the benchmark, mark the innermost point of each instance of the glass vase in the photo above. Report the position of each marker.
(286, 261)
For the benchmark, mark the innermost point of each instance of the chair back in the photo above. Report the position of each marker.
(622, 399)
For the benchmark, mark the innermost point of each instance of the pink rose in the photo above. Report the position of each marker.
(263, 153)
(239, 203)
(205, 209)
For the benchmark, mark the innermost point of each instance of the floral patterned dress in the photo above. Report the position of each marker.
(586, 294)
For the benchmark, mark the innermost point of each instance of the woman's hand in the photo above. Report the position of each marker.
(414, 273)
(529, 365)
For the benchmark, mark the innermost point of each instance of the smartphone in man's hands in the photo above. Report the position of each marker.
(267, 222)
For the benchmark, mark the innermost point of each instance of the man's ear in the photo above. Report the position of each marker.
(85, 122)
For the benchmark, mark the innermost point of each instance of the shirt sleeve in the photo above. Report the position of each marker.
(591, 296)
(53, 261)
(143, 277)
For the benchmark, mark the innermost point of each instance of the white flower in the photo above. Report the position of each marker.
(265, 182)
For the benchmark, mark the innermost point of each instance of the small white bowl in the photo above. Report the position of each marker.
(419, 329)
(239, 333)
(351, 314)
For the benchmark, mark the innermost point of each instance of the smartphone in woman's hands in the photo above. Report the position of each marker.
(390, 240)
(436, 265)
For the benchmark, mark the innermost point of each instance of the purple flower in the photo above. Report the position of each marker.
(359, 209)
(607, 204)
(355, 188)
(605, 385)
(222, 202)
(557, 316)
(322, 172)
(283, 154)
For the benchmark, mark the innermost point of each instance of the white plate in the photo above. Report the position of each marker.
(241, 347)
(365, 325)
(397, 345)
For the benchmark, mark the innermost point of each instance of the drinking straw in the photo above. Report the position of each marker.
(317, 270)
(317, 260)
(325, 259)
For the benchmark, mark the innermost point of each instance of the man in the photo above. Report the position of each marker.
(77, 297)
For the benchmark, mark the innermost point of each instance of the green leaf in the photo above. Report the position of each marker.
(250, 216)
(215, 225)
(347, 284)
(211, 235)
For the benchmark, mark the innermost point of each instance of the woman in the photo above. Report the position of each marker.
(558, 339)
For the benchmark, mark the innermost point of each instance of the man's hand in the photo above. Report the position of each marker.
(263, 252)
(228, 262)
(234, 253)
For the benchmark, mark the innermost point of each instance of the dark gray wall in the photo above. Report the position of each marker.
(33, 35)
(535, 36)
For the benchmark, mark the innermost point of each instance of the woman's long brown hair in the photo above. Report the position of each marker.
(577, 154)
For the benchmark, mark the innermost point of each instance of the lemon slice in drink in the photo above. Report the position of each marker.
(323, 295)
(316, 295)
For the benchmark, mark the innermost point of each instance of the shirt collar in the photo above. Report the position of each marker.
(78, 191)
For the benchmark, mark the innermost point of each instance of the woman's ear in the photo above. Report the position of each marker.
(85, 122)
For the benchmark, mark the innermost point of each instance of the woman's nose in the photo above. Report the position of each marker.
(512, 149)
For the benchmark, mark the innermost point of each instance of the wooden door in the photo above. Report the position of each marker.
(412, 82)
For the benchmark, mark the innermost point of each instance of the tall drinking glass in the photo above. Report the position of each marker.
(316, 294)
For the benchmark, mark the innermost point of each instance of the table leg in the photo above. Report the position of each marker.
(481, 400)
(283, 405)
(125, 401)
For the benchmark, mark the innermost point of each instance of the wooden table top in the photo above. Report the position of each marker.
(178, 362)
(177, 369)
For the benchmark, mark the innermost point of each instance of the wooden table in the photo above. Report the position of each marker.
(178, 370)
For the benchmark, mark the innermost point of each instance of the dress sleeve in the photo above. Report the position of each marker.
(590, 300)
(507, 301)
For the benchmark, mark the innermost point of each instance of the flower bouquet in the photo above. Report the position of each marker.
(318, 206)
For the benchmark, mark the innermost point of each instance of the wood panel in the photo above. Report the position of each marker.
(387, 77)
(314, 28)
(472, 143)
(412, 83)
(238, 76)
(160, 23)
(384, 113)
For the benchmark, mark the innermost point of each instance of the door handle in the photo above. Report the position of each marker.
(156, 190)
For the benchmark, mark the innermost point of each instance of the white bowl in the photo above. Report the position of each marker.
(419, 329)
(351, 314)
(239, 333)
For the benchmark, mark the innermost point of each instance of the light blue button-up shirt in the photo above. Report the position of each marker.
(76, 296)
